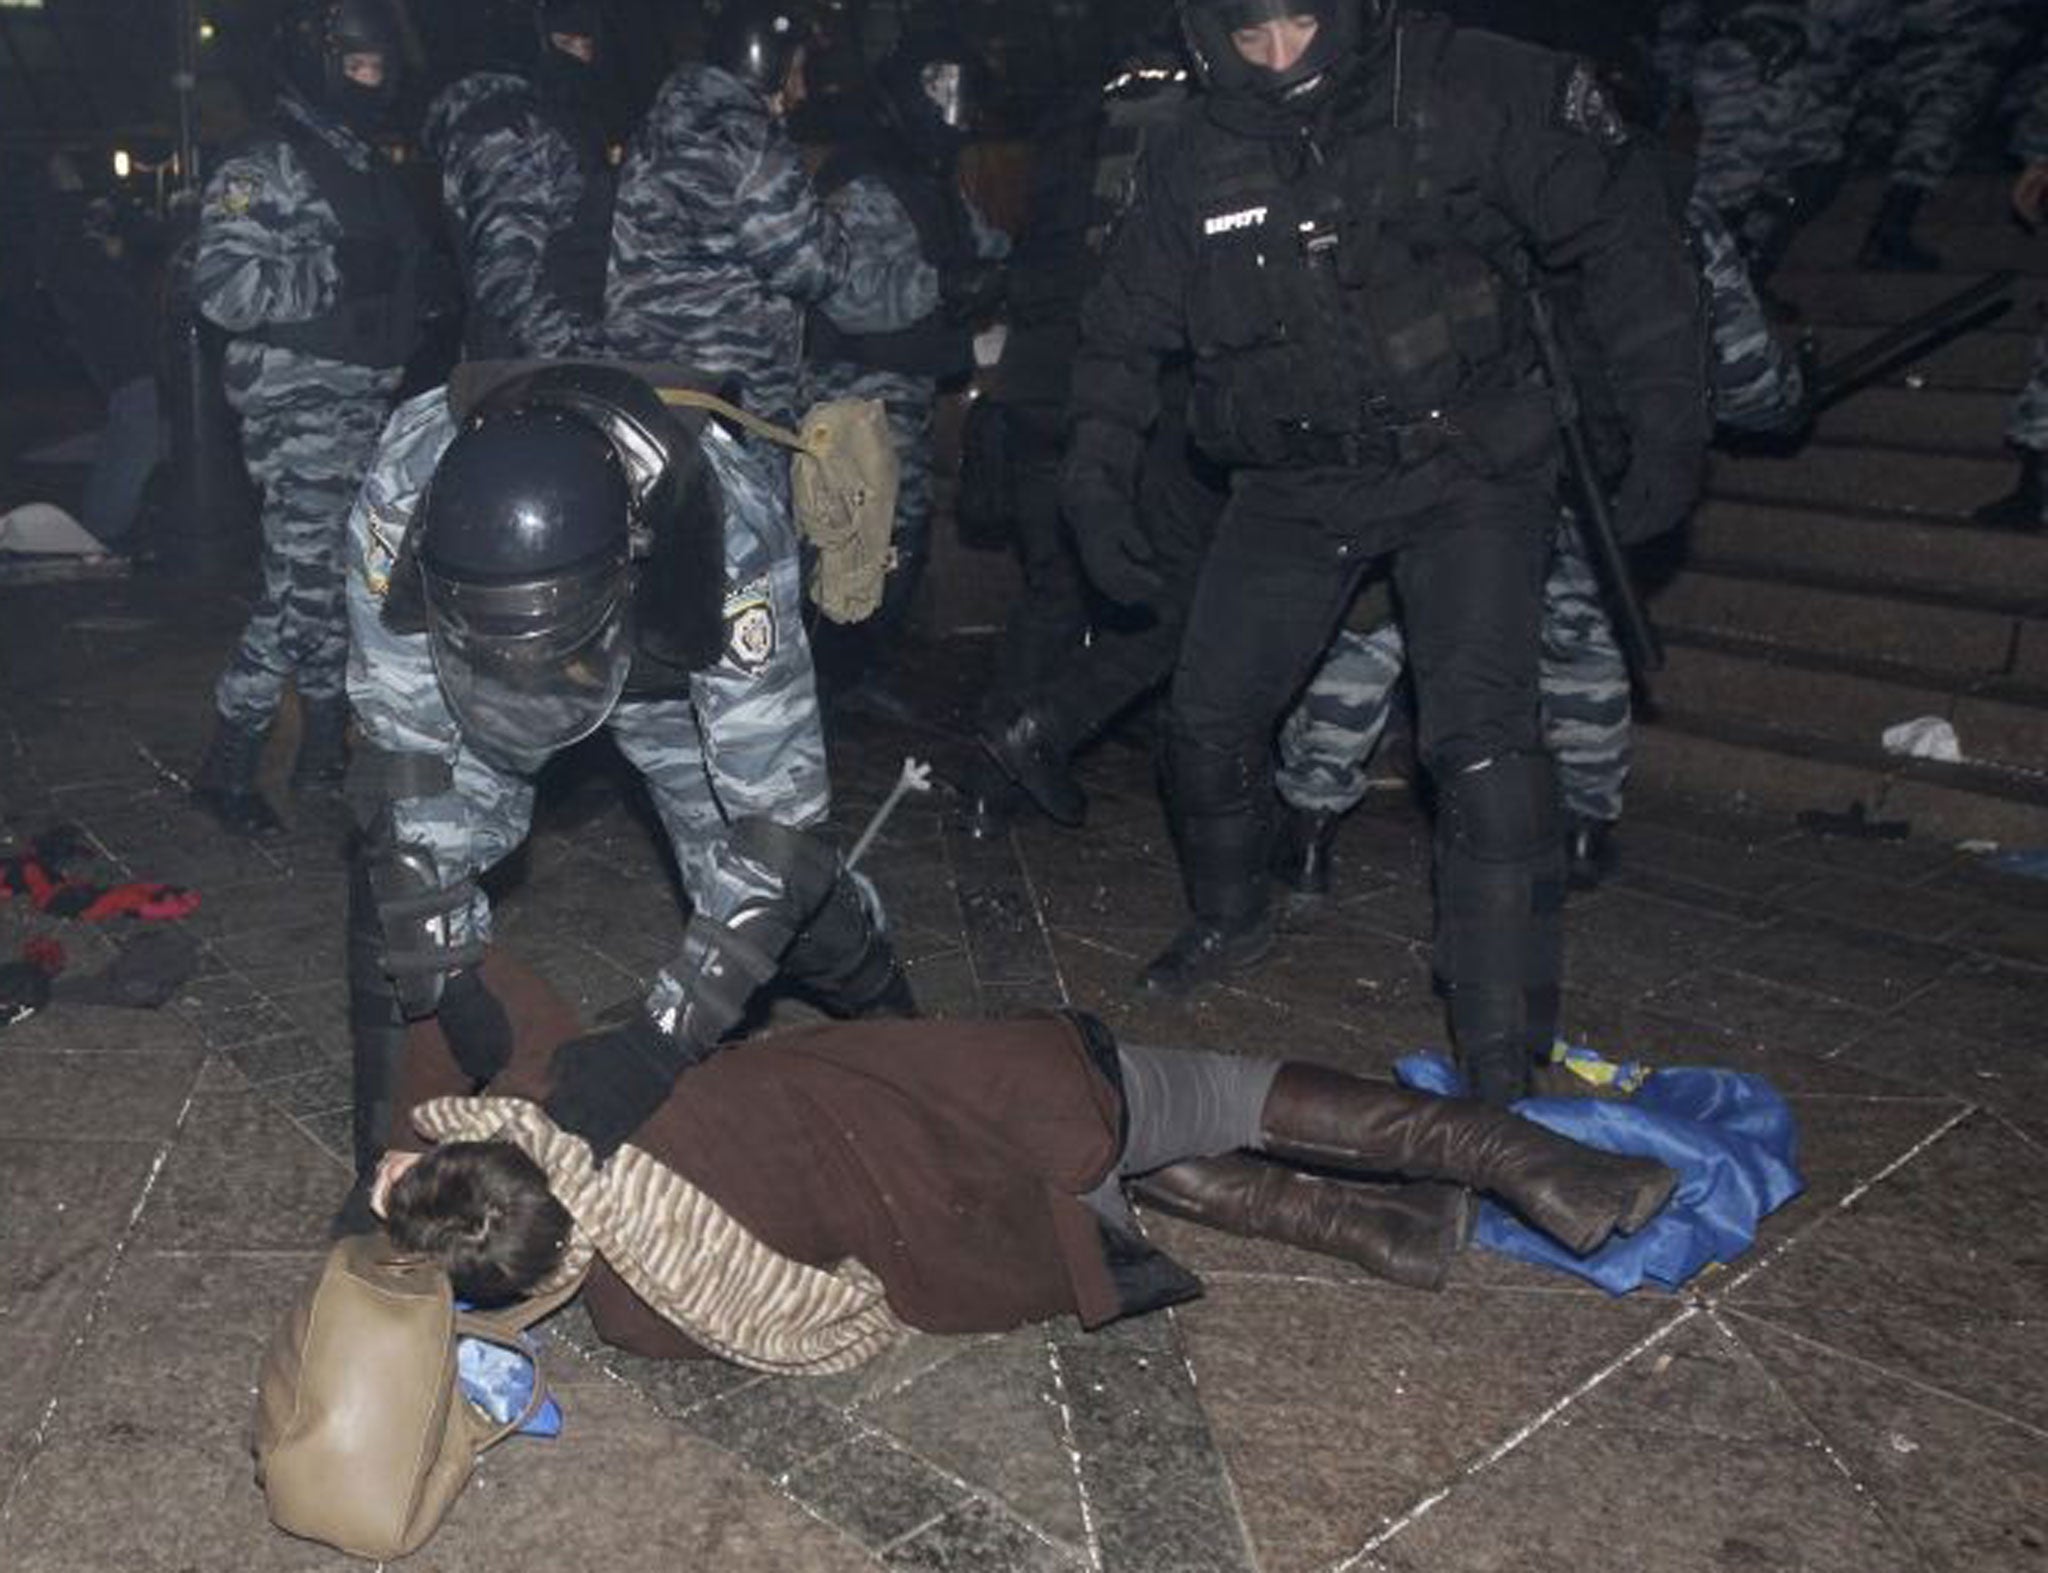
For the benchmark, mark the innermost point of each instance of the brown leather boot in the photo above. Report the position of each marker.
(1405, 1233)
(1578, 1195)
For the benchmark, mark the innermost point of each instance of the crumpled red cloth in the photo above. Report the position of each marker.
(37, 872)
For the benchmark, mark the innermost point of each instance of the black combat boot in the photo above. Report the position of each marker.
(843, 960)
(1405, 1232)
(1030, 752)
(1890, 246)
(1578, 1195)
(321, 764)
(225, 783)
(2025, 507)
(1301, 852)
(1588, 851)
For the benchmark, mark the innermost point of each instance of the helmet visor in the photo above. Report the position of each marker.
(529, 668)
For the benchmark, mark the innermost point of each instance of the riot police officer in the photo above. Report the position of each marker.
(1339, 232)
(528, 183)
(536, 554)
(310, 258)
(896, 192)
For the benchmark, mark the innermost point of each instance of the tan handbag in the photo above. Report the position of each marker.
(363, 1437)
(842, 483)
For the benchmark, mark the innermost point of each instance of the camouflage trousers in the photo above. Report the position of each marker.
(2027, 425)
(309, 429)
(1905, 76)
(1327, 740)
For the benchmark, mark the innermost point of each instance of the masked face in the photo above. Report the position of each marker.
(944, 83)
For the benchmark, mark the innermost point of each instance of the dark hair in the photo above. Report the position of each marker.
(484, 1212)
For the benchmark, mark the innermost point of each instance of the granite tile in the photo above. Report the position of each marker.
(1860, 966)
(242, 1176)
(1989, 999)
(2003, 1072)
(1337, 1406)
(274, 1059)
(980, 1538)
(874, 1491)
(772, 1425)
(108, 1096)
(1629, 944)
(1936, 1273)
(991, 1413)
(1761, 1013)
(1968, 1489)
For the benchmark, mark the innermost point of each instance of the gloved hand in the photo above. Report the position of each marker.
(1098, 495)
(972, 292)
(478, 1031)
(1658, 492)
(368, 266)
(607, 1083)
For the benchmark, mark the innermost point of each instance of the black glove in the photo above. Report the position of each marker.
(971, 292)
(368, 266)
(607, 1083)
(1097, 494)
(478, 1031)
(1658, 492)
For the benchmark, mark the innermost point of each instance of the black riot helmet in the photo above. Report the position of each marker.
(930, 88)
(315, 39)
(562, 75)
(537, 544)
(1341, 27)
(756, 41)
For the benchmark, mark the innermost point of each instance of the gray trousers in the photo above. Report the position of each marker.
(1182, 1103)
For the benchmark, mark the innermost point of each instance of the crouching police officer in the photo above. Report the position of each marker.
(1339, 230)
(537, 553)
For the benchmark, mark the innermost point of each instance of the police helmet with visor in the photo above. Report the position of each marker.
(534, 544)
(315, 41)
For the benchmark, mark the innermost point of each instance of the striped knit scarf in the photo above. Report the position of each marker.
(682, 1253)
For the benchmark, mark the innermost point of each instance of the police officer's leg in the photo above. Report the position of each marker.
(910, 429)
(277, 438)
(1132, 649)
(1266, 600)
(314, 632)
(1584, 692)
(1471, 595)
(1325, 743)
(1050, 616)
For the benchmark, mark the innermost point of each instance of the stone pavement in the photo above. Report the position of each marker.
(1866, 1391)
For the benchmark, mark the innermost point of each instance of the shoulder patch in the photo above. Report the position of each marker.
(750, 633)
(1583, 106)
(238, 193)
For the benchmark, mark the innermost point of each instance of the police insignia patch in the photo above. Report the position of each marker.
(1584, 107)
(238, 194)
(750, 628)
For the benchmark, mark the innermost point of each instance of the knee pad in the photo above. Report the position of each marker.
(1206, 779)
(1502, 809)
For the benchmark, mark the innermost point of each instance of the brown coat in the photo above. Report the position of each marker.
(948, 1156)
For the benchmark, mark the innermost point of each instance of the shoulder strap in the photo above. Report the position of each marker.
(691, 398)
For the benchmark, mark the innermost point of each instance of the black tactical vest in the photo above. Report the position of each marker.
(1352, 297)
(373, 323)
(931, 346)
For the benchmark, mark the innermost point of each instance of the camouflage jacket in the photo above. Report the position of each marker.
(1752, 382)
(512, 183)
(719, 243)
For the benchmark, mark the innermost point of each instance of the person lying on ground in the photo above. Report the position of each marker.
(952, 1176)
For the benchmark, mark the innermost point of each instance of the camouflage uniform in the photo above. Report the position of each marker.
(1582, 684)
(516, 188)
(879, 233)
(746, 741)
(1582, 679)
(719, 244)
(268, 258)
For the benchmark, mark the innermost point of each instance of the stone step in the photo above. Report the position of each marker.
(1846, 295)
(1927, 557)
(1998, 358)
(1724, 763)
(1889, 480)
(1950, 420)
(1758, 686)
(1948, 642)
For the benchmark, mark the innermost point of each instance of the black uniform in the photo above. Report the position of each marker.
(1344, 260)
